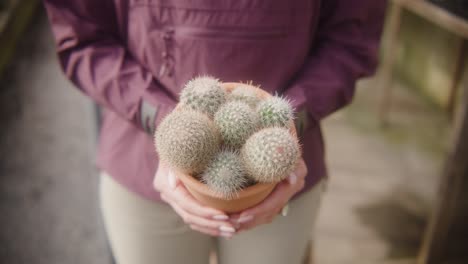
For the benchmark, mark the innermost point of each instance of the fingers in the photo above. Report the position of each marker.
(208, 231)
(172, 180)
(301, 168)
(191, 211)
(210, 227)
(296, 183)
(179, 194)
(203, 219)
(256, 222)
(200, 221)
(211, 232)
(185, 200)
(162, 177)
(215, 222)
(267, 210)
(292, 179)
(277, 199)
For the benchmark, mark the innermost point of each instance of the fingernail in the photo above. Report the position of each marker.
(171, 179)
(220, 217)
(292, 178)
(285, 210)
(226, 235)
(227, 229)
(244, 219)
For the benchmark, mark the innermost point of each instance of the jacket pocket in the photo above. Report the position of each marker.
(231, 54)
(230, 33)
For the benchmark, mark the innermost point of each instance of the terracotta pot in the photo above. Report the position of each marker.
(247, 197)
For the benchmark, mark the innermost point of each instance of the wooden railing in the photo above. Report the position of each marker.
(446, 237)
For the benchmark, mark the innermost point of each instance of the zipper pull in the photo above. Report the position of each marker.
(167, 66)
(170, 67)
(168, 32)
(162, 70)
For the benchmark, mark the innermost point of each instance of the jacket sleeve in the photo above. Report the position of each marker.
(344, 49)
(93, 57)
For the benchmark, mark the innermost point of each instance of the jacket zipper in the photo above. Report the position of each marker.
(223, 33)
(167, 66)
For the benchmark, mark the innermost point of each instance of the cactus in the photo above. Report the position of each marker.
(187, 140)
(225, 174)
(236, 122)
(270, 154)
(275, 111)
(203, 94)
(245, 94)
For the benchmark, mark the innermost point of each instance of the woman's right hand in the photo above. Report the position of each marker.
(200, 218)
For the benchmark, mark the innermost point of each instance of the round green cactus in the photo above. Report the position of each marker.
(275, 111)
(245, 94)
(225, 174)
(187, 140)
(236, 121)
(203, 94)
(270, 154)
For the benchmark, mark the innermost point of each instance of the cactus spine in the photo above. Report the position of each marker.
(244, 94)
(187, 140)
(225, 174)
(270, 154)
(275, 111)
(236, 122)
(203, 94)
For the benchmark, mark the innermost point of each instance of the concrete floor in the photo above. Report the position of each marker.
(48, 185)
(382, 182)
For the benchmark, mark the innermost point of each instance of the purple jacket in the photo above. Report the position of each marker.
(133, 57)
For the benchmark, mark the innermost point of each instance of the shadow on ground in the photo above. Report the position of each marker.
(396, 223)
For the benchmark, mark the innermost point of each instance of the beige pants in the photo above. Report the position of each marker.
(145, 232)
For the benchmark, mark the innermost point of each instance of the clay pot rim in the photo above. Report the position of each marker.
(205, 190)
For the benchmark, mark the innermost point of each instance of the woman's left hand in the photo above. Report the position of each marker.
(268, 209)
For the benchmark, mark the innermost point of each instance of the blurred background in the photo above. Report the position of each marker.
(398, 156)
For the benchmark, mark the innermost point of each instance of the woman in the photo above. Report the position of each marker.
(133, 57)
